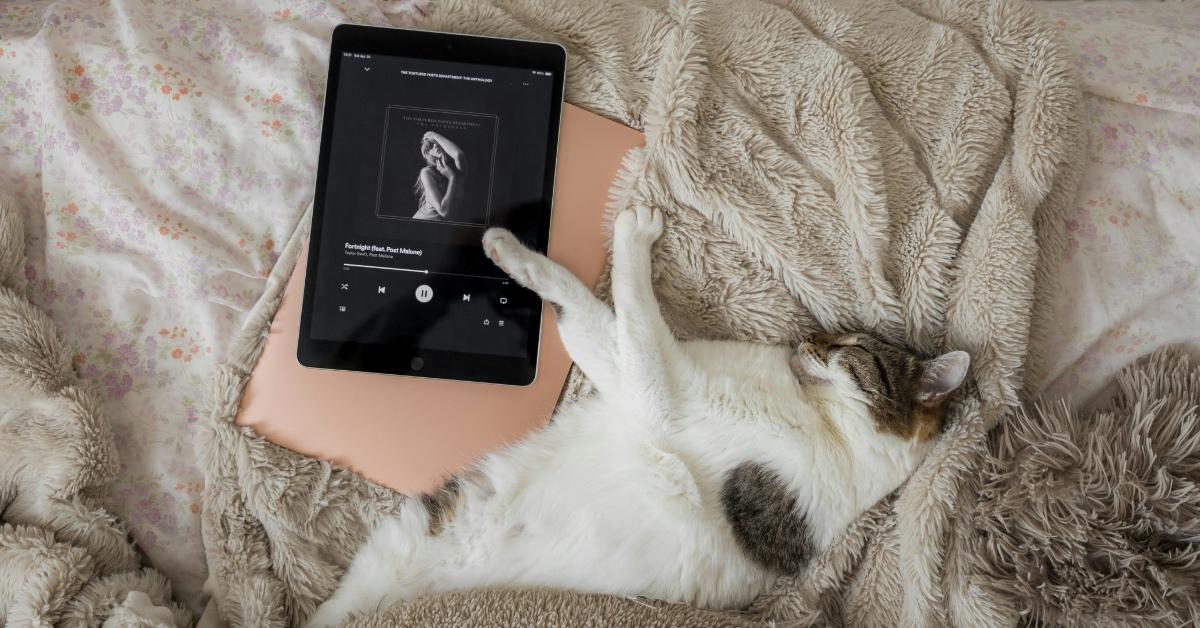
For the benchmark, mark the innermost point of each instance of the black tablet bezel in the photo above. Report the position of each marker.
(392, 359)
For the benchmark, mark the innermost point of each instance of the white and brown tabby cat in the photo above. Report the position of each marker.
(699, 473)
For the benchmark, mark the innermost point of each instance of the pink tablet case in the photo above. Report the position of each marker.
(409, 433)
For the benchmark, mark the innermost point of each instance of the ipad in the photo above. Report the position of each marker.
(429, 139)
(411, 434)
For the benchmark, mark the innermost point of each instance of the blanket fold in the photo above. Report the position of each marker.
(64, 559)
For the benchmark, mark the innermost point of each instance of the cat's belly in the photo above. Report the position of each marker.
(660, 569)
(621, 538)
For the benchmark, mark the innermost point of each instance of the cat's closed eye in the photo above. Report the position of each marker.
(904, 392)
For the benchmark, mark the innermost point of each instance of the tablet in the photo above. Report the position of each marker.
(411, 434)
(429, 139)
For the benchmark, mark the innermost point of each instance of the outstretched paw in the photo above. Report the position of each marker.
(514, 258)
(496, 241)
(640, 225)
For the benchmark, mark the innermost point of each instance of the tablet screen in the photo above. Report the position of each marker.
(424, 155)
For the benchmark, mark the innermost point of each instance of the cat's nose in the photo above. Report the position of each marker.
(810, 346)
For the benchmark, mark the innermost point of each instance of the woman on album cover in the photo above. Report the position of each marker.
(439, 188)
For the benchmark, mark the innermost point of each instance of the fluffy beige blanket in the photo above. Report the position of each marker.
(894, 165)
(64, 559)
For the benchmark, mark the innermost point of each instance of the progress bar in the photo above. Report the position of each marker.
(427, 272)
(406, 270)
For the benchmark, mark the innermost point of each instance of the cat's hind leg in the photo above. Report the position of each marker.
(584, 322)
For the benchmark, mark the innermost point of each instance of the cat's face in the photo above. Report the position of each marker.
(905, 393)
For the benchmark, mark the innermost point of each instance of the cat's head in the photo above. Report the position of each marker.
(904, 392)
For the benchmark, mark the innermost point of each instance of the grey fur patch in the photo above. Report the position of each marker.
(764, 518)
(439, 505)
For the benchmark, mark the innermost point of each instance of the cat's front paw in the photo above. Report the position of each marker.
(640, 225)
(503, 248)
(496, 241)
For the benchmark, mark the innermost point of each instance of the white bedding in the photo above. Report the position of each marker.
(162, 153)
(1132, 281)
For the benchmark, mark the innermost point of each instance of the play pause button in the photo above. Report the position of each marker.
(424, 293)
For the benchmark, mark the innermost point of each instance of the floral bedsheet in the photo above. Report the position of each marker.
(1132, 277)
(163, 150)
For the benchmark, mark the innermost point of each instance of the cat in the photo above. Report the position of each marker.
(698, 473)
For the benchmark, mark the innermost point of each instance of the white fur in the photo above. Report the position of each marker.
(620, 493)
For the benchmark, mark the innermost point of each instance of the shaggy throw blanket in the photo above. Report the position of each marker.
(64, 560)
(900, 166)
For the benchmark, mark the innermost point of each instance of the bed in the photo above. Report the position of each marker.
(162, 154)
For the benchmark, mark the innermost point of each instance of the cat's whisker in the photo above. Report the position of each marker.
(637, 599)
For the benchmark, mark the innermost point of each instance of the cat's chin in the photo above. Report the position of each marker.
(808, 369)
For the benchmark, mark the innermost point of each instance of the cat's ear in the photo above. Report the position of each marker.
(941, 376)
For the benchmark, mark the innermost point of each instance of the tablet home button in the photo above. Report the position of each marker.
(416, 364)
(424, 293)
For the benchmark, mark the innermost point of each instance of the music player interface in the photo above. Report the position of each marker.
(425, 156)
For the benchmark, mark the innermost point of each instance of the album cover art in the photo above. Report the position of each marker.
(437, 165)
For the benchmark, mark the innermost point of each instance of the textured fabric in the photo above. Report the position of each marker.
(1094, 518)
(1130, 279)
(899, 167)
(161, 152)
(64, 559)
(1141, 97)
(150, 262)
(546, 609)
